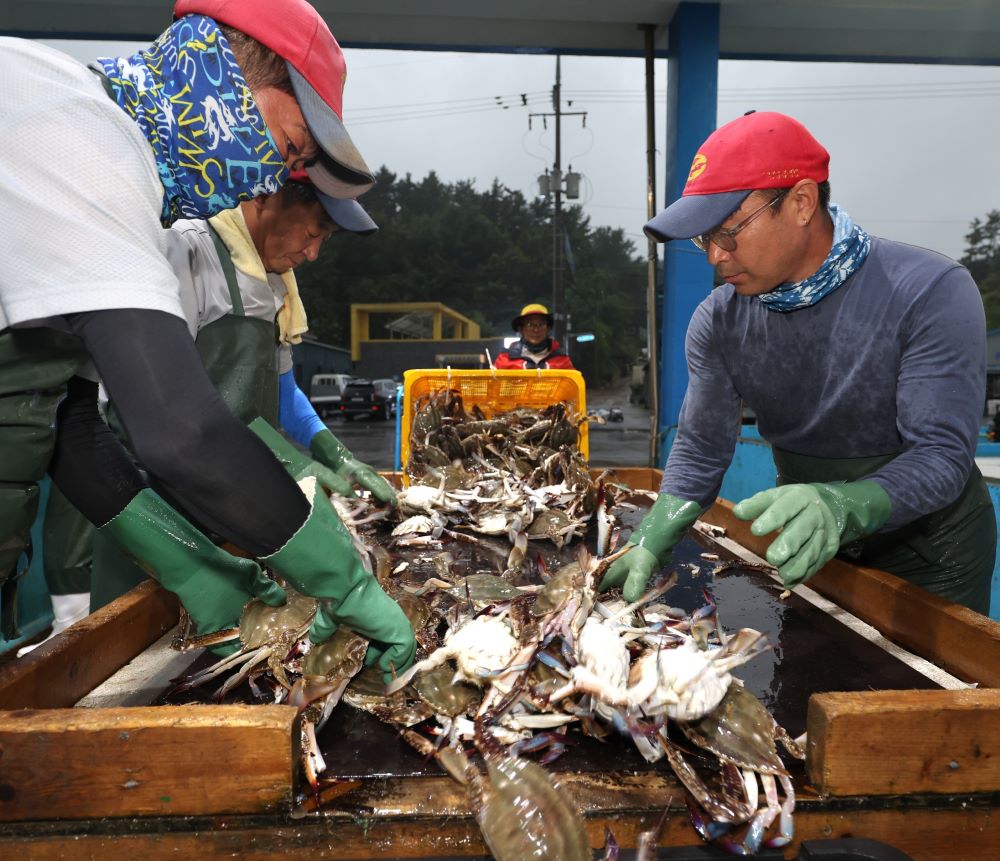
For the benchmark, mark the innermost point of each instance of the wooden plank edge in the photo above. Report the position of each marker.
(904, 742)
(636, 477)
(925, 834)
(58, 673)
(147, 761)
(958, 639)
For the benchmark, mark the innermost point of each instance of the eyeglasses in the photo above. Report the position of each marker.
(725, 238)
(535, 324)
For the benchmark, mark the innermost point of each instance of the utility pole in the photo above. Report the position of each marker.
(557, 280)
(555, 186)
(652, 258)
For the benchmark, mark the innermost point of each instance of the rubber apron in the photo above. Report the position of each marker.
(240, 354)
(949, 552)
(241, 357)
(35, 365)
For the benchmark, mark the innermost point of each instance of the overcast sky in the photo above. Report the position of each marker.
(913, 148)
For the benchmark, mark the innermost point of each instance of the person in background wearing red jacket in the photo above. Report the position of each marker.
(536, 348)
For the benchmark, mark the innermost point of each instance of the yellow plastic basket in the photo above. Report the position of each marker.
(494, 392)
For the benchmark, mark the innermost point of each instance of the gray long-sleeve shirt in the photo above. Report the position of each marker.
(893, 362)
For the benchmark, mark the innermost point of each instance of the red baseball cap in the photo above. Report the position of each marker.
(346, 213)
(755, 151)
(295, 31)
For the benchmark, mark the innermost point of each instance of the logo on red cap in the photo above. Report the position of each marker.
(698, 165)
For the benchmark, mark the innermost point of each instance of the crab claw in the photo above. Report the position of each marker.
(709, 830)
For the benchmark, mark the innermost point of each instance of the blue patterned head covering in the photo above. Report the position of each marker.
(189, 98)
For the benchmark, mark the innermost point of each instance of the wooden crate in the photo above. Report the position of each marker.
(898, 742)
(917, 770)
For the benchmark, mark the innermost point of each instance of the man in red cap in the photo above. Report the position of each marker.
(863, 359)
(230, 98)
(536, 347)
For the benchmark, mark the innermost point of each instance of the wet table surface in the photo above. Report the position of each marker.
(811, 653)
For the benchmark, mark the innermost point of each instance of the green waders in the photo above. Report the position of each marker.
(68, 546)
(241, 357)
(949, 552)
(35, 365)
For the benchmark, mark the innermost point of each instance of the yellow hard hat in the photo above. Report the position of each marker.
(527, 311)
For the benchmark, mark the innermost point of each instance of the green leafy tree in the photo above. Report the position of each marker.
(485, 254)
(982, 257)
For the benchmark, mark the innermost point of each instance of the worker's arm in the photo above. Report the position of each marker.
(703, 448)
(182, 432)
(299, 420)
(939, 398)
(709, 419)
(217, 469)
(296, 415)
(941, 379)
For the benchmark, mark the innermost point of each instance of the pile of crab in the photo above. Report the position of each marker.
(508, 675)
(518, 475)
(518, 654)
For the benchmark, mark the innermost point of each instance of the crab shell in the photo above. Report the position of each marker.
(739, 730)
(341, 656)
(523, 815)
(261, 624)
(602, 651)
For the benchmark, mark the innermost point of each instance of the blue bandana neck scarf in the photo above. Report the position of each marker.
(190, 100)
(850, 248)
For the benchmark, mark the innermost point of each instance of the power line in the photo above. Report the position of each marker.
(908, 91)
(812, 88)
(516, 97)
(391, 118)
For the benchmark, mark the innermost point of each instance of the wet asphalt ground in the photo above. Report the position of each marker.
(624, 443)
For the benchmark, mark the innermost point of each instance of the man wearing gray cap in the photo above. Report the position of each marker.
(230, 98)
(242, 306)
(863, 359)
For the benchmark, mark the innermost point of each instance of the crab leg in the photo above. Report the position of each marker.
(215, 670)
(258, 657)
(785, 827)
(313, 759)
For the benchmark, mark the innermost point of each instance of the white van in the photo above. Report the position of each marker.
(325, 391)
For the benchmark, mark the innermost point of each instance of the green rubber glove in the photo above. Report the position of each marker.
(300, 465)
(213, 585)
(651, 543)
(330, 451)
(319, 560)
(815, 520)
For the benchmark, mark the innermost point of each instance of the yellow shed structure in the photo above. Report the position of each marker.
(415, 321)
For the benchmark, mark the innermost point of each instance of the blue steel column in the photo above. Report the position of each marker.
(692, 97)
